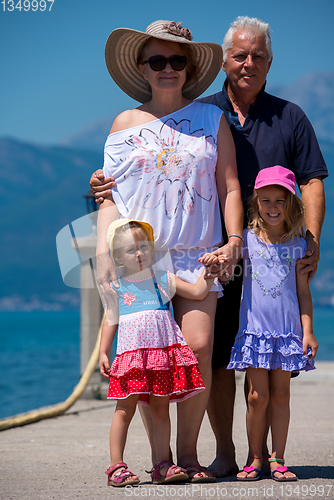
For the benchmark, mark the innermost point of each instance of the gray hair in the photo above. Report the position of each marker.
(253, 24)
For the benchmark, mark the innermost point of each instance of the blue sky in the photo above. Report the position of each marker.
(54, 81)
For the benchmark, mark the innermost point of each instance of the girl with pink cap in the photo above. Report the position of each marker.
(275, 334)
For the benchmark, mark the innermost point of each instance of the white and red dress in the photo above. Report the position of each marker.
(152, 354)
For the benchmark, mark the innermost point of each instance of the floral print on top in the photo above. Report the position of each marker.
(177, 171)
(165, 175)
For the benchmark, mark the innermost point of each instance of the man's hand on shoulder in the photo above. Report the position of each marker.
(101, 186)
(311, 257)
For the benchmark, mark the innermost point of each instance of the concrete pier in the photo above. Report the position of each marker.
(65, 457)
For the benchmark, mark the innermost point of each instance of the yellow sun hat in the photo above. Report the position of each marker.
(116, 224)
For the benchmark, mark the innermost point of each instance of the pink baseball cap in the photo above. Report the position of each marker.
(276, 175)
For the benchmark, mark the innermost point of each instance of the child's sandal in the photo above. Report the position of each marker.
(249, 469)
(121, 478)
(259, 474)
(171, 476)
(281, 469)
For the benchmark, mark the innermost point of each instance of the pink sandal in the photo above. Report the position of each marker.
(171, 476)
(121, 478)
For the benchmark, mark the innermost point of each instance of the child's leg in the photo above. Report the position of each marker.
(258, 398)
(280, 417)
(145, 414)
(265, 453)
(124, 412)
(159, 408)
(161, 429)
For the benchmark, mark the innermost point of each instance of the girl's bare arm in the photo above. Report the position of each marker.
(306, 312)
(107, 336)
(192, 291)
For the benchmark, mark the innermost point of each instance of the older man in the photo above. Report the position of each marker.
(267, 131)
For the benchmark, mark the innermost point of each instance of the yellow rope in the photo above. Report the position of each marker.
(59, 409)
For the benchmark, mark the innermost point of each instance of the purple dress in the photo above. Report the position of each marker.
(270, 333)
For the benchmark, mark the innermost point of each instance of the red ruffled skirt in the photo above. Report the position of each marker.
(170, 371)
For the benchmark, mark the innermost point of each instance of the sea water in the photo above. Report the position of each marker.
(39, 359)
(40, 356)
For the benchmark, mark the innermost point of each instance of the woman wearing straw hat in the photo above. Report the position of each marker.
(172, 159)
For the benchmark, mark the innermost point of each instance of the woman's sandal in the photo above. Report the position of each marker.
(198, 470)
(249, 469)
(281, 469)
(121, 478)
(171, 476)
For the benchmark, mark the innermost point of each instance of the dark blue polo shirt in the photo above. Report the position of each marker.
(275, 132)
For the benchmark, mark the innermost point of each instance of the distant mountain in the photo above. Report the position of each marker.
(42, 188)
(93, 136)
(41, 191)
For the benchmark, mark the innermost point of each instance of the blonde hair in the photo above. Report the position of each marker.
(137, 230)
(294, 216)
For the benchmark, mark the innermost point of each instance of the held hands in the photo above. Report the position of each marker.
(101, 186)
(221, 263)
(310, 342)
(215, 265)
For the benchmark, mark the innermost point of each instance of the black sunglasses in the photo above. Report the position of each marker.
(158, 63)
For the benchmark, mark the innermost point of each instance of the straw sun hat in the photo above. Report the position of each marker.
(122, 49)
